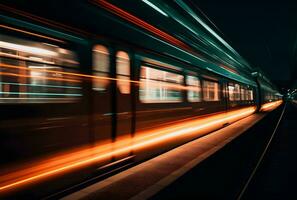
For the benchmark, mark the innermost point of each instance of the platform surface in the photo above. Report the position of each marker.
(146, 179)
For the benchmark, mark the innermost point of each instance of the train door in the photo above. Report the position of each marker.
(225, 94)
(42, 104)
(123, 100)
(101, 96)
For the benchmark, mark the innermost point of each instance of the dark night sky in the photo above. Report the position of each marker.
(263, 32)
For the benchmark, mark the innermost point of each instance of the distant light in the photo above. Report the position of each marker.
(155, 7)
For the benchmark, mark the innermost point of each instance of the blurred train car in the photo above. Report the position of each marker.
(93, 86)
(268, 92)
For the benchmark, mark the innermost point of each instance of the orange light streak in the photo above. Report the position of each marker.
(64, 73)
(50, 23)
(152, 82)
(30, 33)
(39, 77)
(139, 22)
(78, 159)
(7, 55)
(271, 105)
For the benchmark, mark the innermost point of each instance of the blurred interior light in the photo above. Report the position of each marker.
(27, 49)
(35, 58)
(51, 45)
(42, 67)
(155, 7)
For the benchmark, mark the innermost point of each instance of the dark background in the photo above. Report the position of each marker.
(263, 32)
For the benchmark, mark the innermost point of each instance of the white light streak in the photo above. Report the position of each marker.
(27, 49)
(155, 7)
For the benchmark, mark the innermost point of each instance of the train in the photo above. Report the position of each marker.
(87, 87)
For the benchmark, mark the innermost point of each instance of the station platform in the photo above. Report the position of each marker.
(145, 180)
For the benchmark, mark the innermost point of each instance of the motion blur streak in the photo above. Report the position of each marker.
(152, 82)
(29, 33)
(39, 77)
(271, 105)
(131, 18)
(27, 49)
(89, 155)
(64, 73)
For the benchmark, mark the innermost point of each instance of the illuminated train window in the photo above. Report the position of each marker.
(158, 86)
(234, 92)
(37, 72)
(249, 95)
(123, 72)
(194, 89)
(246, 94)
(231, 92)
(211, 91)
(100, 68)
(237, 92)
(242, 93)
(268, 96)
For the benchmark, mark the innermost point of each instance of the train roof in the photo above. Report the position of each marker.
(183, 33)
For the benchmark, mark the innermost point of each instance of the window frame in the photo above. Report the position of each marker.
(199, 86)
(128, 78)
(219, 95)
(242, 95)
(164, 69)
(108, 68)
(64, 45)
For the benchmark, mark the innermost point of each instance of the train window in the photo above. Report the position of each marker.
(234, 92)
(250, 95)
(266, 96)
(158, 86)
(100, 67)
(34, 71)
(123, 72)
(194, 89)
(210, 91)
(242, 93)
(246, 93)
(231, 92)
